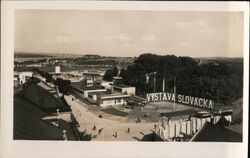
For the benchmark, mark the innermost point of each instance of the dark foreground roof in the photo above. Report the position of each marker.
(43, 98)
(28, 124)
(216, 133)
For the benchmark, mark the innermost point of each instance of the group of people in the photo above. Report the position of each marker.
(115, 135)
(99, 131)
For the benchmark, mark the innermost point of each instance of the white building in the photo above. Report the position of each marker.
(88, 82)
(93, 75)
(121, 88)
(57, 70)
(86, 92)
(117, 80)
(104, 99)
(112, 100)
(22, 77)
(105, 84)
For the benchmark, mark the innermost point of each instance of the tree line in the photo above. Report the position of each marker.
(219, 81)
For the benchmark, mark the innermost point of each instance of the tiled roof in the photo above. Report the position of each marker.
(216, 133)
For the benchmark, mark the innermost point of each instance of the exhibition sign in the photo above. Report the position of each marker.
(179, 98)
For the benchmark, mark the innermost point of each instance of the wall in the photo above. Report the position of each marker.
(85, 92)
(40, 97)
(93, 99)
(167, 131)
(112, 102)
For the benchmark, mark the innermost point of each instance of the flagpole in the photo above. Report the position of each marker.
(174, 90)
(163, 84)
(163, 87)
(154, 83)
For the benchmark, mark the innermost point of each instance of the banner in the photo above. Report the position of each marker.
(189, 100)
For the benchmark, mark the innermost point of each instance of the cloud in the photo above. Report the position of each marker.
(68, 39)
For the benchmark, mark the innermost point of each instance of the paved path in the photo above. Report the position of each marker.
(108, 125)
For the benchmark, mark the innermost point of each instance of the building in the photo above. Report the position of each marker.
(117, 80)
(34, 65)
(216, 133)
(81, 90)
(102, 97)
(105, 84)
(45, 97)
(92, 90)
(21, 77)
(93, 75)
(105, 99)
(57, 70)
(122, 88)
(186, 127)
(68, 76)
(88, 82)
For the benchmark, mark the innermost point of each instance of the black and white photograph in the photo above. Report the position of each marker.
(100, 75)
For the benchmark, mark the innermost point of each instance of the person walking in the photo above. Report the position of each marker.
(99, 132)
(128, 130)
(116, 134)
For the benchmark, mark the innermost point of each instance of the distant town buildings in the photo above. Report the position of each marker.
(57, 70)
(122, 88)
(21, 77)
(93, 75)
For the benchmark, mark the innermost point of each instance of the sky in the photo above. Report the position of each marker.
(130, 33)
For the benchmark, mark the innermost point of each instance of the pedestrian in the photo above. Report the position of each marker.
(116, 134)
(99, 132)
(94, 127)
(128, 130)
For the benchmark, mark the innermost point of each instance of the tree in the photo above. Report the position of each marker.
(63, 85)
(115, 71)
(220, 80)
(110, 73)
(108, 76)
(125, 76)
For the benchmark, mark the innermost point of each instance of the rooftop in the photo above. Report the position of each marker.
(28, 124)
(122, 86)
(113, 95)
(216, 133)
(44, 86)
(94, 73)
(97, 93)
(80, 85)
(117, 78)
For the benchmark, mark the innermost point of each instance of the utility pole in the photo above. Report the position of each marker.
(154, 84)
(163, 87)
(147, 79)
(174, 90)
(163, 84)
